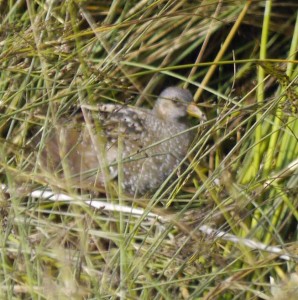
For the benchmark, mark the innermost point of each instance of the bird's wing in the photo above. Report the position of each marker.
(117, 119)
(120, 121)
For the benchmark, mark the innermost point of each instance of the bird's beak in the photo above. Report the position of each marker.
(194, 111)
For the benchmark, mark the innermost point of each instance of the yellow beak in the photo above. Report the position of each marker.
(194, 111)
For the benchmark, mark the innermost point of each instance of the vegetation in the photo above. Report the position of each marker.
(239, 59)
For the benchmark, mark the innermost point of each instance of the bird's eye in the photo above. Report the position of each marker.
(179, 104)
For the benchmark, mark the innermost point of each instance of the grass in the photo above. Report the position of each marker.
(239, 59)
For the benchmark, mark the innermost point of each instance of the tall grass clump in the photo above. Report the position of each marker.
(226, 226)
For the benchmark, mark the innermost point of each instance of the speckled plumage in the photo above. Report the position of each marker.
(146, 145)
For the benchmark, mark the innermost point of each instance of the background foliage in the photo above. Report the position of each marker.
(239, 60)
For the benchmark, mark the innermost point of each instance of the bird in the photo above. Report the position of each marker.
(140, 146)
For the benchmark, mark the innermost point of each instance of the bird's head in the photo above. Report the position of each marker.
(174, 104)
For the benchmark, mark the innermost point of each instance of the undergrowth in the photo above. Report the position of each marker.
(238, 58)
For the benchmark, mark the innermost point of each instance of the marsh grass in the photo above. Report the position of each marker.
(240, 176)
